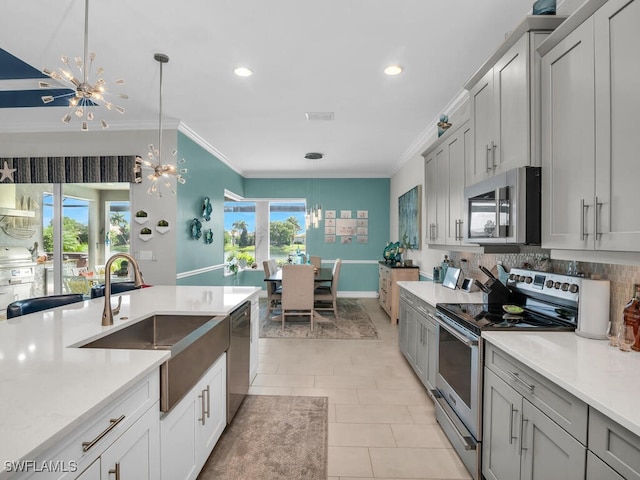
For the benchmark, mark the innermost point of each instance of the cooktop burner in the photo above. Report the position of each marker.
(478, 316)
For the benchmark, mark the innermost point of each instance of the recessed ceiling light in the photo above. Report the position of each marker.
(243, 71)
(393, 70)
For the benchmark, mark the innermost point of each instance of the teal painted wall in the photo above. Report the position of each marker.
(206, 177)
(371, 194)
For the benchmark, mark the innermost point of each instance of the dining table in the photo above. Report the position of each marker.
(321, 275)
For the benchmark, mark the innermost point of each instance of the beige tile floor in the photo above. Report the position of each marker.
(381, 420)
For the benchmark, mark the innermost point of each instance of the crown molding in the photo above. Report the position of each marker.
(430, 133)
(197, 138)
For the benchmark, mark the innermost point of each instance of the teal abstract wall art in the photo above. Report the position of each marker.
(409, 215)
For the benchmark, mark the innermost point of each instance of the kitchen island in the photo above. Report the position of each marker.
(49, 387)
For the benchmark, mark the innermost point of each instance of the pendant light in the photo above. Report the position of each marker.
(160, 172)
(90, 89)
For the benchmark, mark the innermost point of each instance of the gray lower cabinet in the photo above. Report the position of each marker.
(547, 450)
(533, 429)
(598, 470)
(501, 429)
(520, 441)
(417, 337)
(615, 445)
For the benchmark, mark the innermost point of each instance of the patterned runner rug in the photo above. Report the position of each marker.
(352, 323)
(273, 438)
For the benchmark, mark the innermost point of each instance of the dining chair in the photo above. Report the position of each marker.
(315, 261)
(297, 291)
(37, 304)
(274, 291)
(324, 294)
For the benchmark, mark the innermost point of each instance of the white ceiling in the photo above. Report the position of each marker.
(317, 56)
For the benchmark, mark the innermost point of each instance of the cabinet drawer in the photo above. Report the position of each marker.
(102, 429)
(598, 470)
(614, 444)
(562, 407)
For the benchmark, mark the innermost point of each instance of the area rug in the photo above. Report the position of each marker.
(352, 323)
(273, 438)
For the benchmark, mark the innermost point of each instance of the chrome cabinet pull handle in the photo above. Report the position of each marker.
(116, 471)
(113, 422)
(583, 207)
(493, 155)
(517, 377)
(597, 214)
(487, 157)
(203, 409)
(524, 422)
(208, 401)
(511, 437)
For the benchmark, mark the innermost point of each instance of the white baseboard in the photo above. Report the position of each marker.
(263, 294)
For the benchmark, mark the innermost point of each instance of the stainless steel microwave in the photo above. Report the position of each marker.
(505, 208)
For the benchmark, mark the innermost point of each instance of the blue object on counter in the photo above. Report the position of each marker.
(438, 275)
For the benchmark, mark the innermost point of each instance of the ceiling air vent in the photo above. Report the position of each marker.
(319, 116)
(313, 156)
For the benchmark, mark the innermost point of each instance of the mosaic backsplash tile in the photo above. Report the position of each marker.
(622, 277)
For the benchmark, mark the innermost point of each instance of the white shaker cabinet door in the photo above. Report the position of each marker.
(568, 154)
(136, 454)
(617, 73)
(91, 473)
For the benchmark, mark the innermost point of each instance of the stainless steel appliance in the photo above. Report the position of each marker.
(536, 300)
(238, 358)
(17, 270)
(505, 208)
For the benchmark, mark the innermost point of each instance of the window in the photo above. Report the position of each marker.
(258, 230)
(287, 234)
(239, 235)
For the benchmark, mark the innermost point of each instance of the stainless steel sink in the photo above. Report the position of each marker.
(195, 343)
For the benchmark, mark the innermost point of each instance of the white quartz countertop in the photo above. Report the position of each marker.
(433, 293)
(602, 376)
(48, 387)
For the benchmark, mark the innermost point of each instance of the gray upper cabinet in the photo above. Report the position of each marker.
(589, 137)
(500, 113)
(505, 104)
(567, 141)
(445, 174)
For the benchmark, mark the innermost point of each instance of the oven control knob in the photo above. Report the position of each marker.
(557, 285)
(521, 278)
(549, 284)
(528, 280)
(573, 288)
(565, 287)
(513, 277)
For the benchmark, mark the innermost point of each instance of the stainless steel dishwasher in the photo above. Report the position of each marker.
(238, 358)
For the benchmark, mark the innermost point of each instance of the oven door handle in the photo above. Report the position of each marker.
(467, 341)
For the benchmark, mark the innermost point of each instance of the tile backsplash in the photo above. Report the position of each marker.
(622, 277)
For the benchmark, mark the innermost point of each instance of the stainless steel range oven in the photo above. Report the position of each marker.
(537, 301)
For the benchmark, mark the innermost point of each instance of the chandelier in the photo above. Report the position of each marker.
(89, 89)
(313, 216)
(158, 170)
